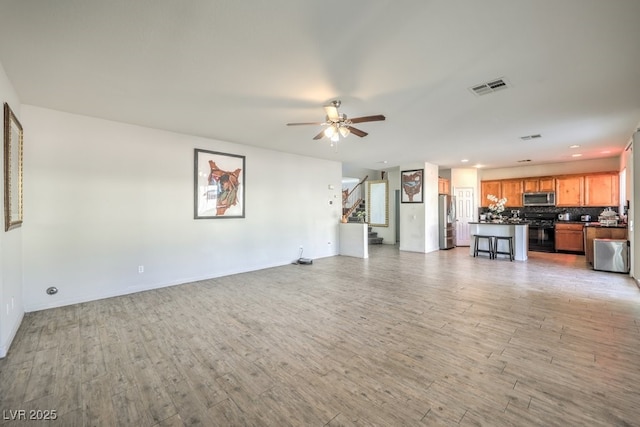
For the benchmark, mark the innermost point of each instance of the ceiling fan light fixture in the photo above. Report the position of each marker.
(338, 125)
(330, 131)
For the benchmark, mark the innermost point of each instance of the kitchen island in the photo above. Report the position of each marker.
(518, 230)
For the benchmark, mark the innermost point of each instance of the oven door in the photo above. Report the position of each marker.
(542, 238)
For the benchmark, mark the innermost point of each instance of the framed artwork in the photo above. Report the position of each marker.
(12, 170)
(412, 186)
(218, 185)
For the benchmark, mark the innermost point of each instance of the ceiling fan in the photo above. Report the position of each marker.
(338, 124)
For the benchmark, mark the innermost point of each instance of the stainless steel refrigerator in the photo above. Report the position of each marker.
(447, 221)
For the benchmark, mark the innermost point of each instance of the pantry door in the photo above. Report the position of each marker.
(466, 214)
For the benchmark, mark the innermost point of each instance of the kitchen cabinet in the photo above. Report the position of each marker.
(597, 232)
(570, 190)
(511, 189)
(569, 237)
(594, 189)
(534, 185)
(547, 184)
(443, 186)
(601, 189)
(489, 187)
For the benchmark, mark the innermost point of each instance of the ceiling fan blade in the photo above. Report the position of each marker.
(375, 118)
(332, 112)
(309, 123)
(319, 136)
(358, 132)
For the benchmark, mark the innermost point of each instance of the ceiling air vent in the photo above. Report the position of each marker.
(490, 87)
(528, 137)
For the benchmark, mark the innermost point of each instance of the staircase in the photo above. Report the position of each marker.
(373, 238)
(354, 205)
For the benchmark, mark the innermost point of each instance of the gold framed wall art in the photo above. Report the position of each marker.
(13, 135)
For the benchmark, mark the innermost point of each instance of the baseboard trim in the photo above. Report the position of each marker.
(4, 349)
(28, 308)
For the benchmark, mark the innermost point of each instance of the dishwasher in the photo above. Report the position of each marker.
(611, 255)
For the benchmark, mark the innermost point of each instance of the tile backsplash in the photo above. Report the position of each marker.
(575, 213)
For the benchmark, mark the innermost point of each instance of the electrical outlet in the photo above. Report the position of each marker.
(141, 269)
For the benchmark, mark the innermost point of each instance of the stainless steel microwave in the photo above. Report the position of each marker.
(539, 199)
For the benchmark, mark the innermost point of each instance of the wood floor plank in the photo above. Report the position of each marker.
(98, 406)
(398, 339)
(154, 393)
(131, 408)
(42, 378)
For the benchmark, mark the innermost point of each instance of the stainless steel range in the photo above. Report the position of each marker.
(541, 231)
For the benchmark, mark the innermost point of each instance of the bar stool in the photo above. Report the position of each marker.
(477, 250)
(496, 252)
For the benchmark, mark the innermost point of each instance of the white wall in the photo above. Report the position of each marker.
(634, 217)
(419, 221)
(626, 163)
(350, 171)
(11, 301)
(102, 198)
(464, 177)
(566, 168)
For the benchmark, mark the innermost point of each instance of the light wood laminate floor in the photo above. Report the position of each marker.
(398, 339)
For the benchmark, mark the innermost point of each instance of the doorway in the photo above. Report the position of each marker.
(466, 214)
(397, 214)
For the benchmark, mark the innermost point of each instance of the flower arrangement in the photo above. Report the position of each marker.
(361, 216)
(497, 206)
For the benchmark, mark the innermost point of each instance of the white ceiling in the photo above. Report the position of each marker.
(240, 70)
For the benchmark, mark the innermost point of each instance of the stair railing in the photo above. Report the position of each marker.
(352, 198)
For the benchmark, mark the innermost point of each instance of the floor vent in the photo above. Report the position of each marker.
(490, 87)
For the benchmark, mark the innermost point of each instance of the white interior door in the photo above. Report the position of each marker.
(466, 214)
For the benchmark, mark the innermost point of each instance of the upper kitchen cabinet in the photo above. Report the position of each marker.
(533, 185)
(443, 186)
(602, 189)
(512, 191)
(547, 184)
(594, 189)
(570, 190)
(489, 187)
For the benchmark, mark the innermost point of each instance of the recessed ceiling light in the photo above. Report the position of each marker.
(576, 155)
(464, 160)
(574, 146)
(478, 166)
(606, 152)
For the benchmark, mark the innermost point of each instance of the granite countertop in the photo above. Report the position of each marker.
(592, 224)
(597, 224)
(501, 223)
(574, 222)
